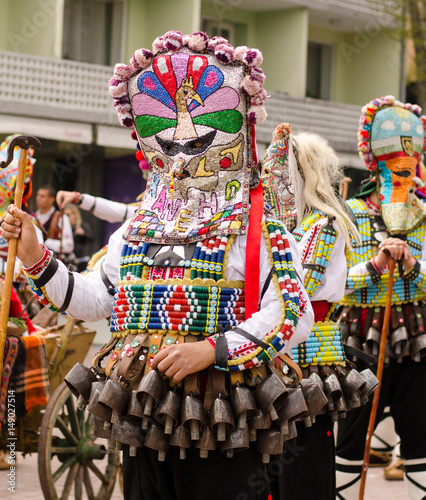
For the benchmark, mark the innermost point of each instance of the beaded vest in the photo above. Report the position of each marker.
(371, 291)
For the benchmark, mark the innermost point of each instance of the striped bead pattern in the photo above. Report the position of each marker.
(324, 346)
(366, 292)
(186, 308)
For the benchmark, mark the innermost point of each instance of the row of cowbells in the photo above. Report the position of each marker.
(155, 416)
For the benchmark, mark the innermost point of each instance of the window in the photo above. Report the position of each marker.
(93, 31)
(215, 27)
(318, 75)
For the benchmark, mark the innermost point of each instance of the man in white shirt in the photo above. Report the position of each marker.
(56, 227)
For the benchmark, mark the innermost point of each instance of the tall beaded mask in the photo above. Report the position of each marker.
(193, 102)
(391, 141)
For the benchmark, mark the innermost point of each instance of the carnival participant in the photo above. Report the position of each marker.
(190, 265)
(301, 176)
(56, 226)
(392, 223)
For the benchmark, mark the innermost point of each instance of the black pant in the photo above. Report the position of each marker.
(217, 477)
(306, 468)
(403, 389)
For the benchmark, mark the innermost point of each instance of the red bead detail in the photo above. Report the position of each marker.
(225, 162)
(159, 162)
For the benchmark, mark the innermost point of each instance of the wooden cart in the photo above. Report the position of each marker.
(72, 462)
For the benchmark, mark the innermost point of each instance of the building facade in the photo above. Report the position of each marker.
(323, 60)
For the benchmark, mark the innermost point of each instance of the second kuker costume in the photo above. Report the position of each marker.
(391, 143)
(300, 174)
(199, 261)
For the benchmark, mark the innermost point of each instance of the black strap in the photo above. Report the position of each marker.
(266, 285)
(68, 295)
(109, 286)
(221, 351)
(353, 351)
(251, 337)
(47, 273)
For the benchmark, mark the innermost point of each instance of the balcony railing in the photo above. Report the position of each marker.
(78, 92)
(335, 121)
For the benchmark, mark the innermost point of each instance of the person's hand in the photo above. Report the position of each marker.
(17, 224)
(65, 197)
(396, 249)
(179, 360)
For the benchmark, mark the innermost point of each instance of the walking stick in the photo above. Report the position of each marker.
(380, 364)
(24, 142)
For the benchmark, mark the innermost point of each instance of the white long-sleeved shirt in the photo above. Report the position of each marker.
(91, 301)
(65, 246)
(111, 211)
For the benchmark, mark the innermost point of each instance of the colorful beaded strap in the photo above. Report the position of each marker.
(186, 308)
(324, 346)
(207, 261)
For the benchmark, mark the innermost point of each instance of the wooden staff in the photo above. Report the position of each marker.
(24, 142)
(380, 364)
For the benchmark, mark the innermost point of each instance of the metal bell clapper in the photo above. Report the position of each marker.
(238, 440)
(221, 418)
(292, 431)
(271, 395)
(150, 390)
(207, 442)
(340, 406)
(294, 407)
(157, 440)
(193, 416)
(269, 442)
(128, 431)
(244, 405)
(314, 397)
(79, 381)
(260, 421)
(181, 438)
(114, 396)
(96, 409)
(168, 411)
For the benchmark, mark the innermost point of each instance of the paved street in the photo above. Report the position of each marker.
(28, 486)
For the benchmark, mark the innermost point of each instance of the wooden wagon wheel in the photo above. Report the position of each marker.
(70, 455)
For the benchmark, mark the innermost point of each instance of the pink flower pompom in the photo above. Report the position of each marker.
(125, 118)
(224, 53)
(215, 41)
(198, 41)
(185, 40)
(144, 165)
(143, 58)
(258, 75)
(158, 45)
(122, 72)
(239, 52)
(117, 88)
(259, 99)
(256, 115)
(173, 40)
(250, 86)
(253, 58)
(122, 105)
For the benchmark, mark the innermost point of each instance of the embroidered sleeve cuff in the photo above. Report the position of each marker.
(373, 272)
(376, 267)
(413, 273)
(39, 267)
(212, 340)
